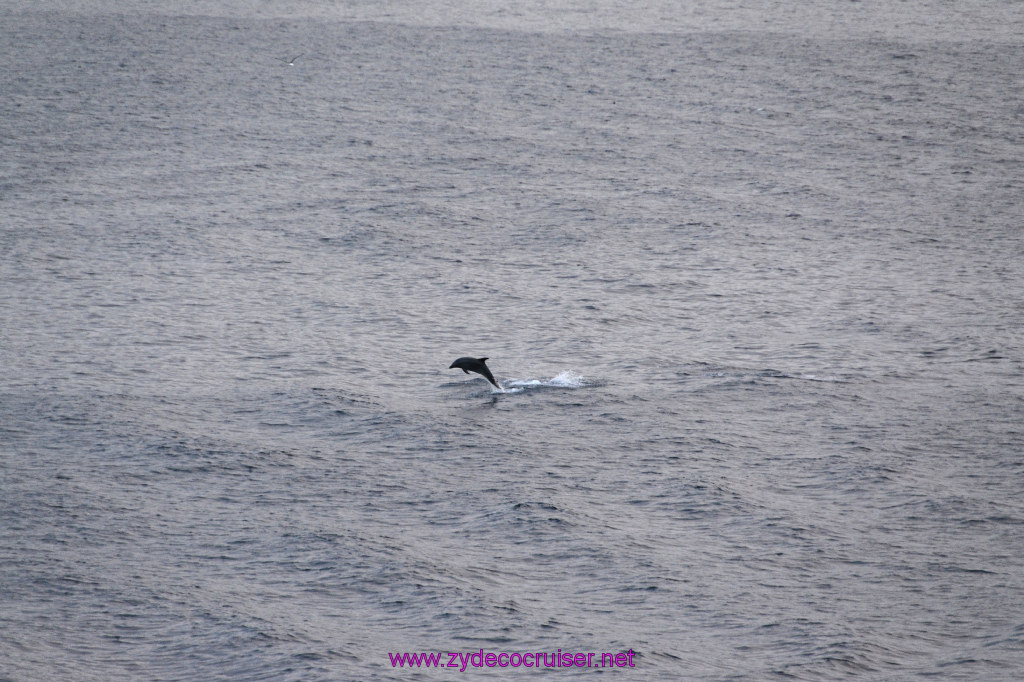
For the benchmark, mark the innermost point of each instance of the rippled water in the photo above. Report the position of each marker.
(751, 277)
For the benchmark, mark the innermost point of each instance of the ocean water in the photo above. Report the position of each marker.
(751, 276)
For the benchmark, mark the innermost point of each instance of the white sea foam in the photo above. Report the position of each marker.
(814, 377)
(566, 379)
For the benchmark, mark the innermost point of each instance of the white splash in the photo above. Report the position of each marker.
(566, 379)
(814, 377)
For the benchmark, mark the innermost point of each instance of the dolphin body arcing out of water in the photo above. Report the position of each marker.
(477, 365)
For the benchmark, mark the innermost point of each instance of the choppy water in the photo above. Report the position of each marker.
(752, 276)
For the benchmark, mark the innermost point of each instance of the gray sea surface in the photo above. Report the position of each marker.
(751, 276)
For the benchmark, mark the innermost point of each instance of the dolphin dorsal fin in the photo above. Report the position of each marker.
(482, 359)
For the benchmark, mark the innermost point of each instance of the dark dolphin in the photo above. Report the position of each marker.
(477, 365)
